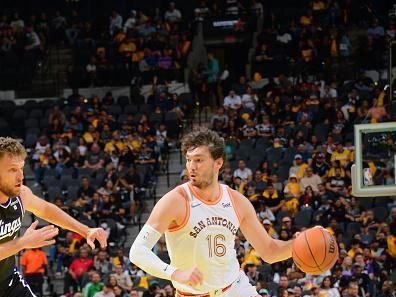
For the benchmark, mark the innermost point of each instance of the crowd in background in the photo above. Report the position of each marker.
(289, 144)
(23, 44)
(133, 45)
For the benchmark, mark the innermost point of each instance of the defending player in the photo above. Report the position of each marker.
(15, 198)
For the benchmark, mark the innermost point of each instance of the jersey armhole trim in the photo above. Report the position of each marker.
(181, 191)
(234, 206)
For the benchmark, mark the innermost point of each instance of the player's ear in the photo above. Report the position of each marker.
(219, 163)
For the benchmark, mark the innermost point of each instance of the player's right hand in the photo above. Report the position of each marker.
(191, 277)
(35, 238)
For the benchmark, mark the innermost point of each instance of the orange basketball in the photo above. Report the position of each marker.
(315, 251)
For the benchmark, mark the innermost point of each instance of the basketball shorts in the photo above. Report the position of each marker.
(239, 288)
(15, 286)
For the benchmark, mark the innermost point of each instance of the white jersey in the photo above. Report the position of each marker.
(206, 240)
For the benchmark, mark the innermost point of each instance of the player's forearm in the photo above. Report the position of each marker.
(279, 250)
(56, 216)
(11, 248)
(141, 254)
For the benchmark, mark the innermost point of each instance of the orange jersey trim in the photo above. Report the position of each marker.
(218, 198)
(182, 192)
(233, 202)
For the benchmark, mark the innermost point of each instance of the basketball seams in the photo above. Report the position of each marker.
(309, 248)
(301, 261)
(325, 242)
(335, 257)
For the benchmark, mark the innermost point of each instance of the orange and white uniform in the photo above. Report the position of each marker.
(206, 240)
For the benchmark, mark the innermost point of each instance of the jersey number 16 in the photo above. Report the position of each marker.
(215, 245)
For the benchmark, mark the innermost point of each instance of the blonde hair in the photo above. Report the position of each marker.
(11, 147)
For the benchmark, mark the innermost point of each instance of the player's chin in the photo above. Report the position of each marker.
(17, 190)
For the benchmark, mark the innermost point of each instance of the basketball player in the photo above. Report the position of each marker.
(200, 220)
(15, 198)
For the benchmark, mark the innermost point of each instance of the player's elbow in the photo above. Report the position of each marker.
(136, 254)
(268, 259)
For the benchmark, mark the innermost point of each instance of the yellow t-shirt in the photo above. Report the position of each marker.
(352, 252)
(301, 170)
(294, 188)
(343, 157)
(251, 257)
(332, 172)
(127, 49)
(306, 20)
(88, 137)
(391, 241)
(318, 5)
(114, 146)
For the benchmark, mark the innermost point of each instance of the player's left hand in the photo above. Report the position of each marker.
(96, 234)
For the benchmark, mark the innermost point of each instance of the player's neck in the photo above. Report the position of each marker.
(3, 198)
(209, 193)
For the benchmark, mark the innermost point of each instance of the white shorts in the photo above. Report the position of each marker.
(239, 288)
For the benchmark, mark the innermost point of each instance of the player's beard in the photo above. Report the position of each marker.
(203, 183)
(8, 190)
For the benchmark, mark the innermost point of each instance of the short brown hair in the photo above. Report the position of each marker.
(204, 137)
(12, 147)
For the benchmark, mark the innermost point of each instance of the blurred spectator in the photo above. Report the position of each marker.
(107, 291)
(213, 72)
(172, 14)
(94, 159)
(34, 265)
(123, 279)
(94, 286)
(76, 278)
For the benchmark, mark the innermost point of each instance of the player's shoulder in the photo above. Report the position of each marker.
(240, 202)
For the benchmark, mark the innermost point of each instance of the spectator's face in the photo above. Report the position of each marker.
(232, 93)
(393, 213)
(353, 290)
(85, 182)
(326, 282)
(241, 164)
(169, 290)
(107, 289)
(43, 140)
(119, 269)
(338, 172)
(266, 120)
(283, 282)
(102, 255)
(359, 259)
(271, 190)
(134, 293)
(83, 253)
(297, 291)
(95, 149)
(252, 269)
(370, 214)
(95, 278)
(348, 261)
(286, 221)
